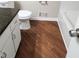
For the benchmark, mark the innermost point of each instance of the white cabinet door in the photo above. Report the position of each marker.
(8, 50)
(4, 37)
(16, 36)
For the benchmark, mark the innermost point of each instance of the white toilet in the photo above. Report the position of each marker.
(24, 16)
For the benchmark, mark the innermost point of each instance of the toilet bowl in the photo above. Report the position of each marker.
(24, 16)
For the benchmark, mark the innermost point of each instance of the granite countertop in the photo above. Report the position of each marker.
(6, 16)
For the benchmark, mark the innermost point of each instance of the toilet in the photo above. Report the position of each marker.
(24, 16)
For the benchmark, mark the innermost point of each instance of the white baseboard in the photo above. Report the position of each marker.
(62, 35)
(44, 18)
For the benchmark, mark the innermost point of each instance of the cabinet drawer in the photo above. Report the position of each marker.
(14, 23)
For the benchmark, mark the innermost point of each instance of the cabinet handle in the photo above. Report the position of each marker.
(14, 36)
(3, 55)
(15, 22)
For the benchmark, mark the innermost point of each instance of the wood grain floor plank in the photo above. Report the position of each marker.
(43, 40)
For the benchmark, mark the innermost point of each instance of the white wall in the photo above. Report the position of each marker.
(70, 5)
(70, 9)
(51, 9)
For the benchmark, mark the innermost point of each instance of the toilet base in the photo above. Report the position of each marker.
(25, 25)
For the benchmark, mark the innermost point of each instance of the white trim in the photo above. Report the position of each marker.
(44, 18)
(62, 35)
(64, 24)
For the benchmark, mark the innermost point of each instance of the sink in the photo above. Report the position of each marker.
(6, 4)
(3, 2)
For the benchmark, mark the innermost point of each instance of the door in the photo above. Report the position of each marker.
(16, 37)
(73, 50)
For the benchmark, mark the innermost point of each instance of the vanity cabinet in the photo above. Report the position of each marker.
(8, 50)
(10, 39)
(6, 44)
(16, 37)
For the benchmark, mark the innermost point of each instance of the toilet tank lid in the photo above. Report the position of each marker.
(24, 13)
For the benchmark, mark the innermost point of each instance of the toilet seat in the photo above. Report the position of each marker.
(24, 14)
